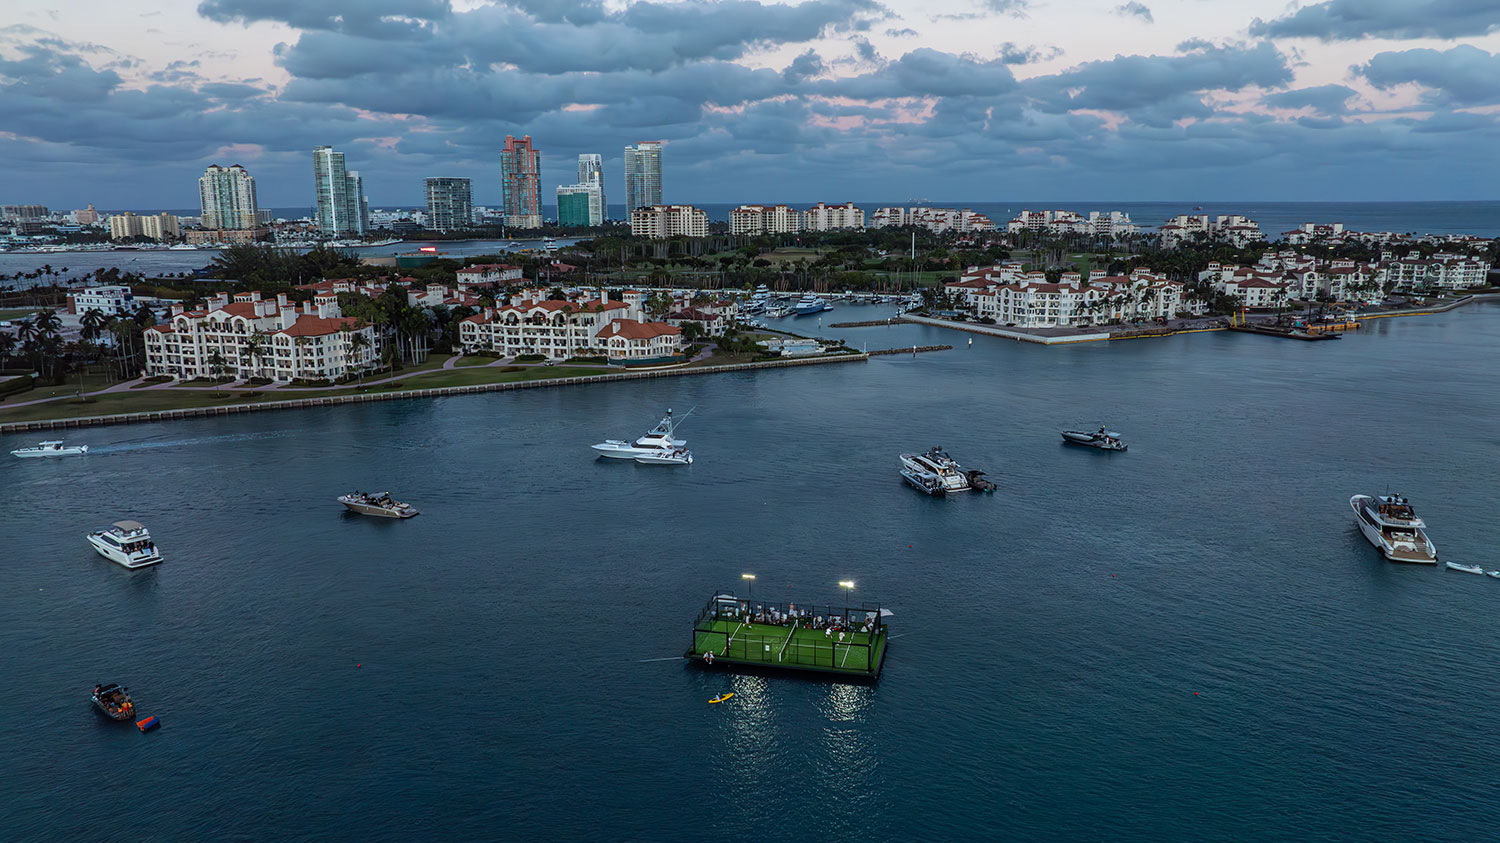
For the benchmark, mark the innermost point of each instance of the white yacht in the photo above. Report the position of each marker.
(1390, 523)
(936, 463)
(658, 442)
(809, 304)
(127, 543)
(53, 448)
(676, 456)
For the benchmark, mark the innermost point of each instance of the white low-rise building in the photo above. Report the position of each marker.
(824, 217)
(936, 220)
(1442, 271)
(660, 221)
(313, 342)
(1235, 229)
(115, 300)
(1027, 300)
(484, 274)
(764, 219)
(558, 329)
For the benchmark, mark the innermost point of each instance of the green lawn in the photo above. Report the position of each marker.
(91, 382)
(141, 401)
(769, 645)
(16, 313)
(474, 361)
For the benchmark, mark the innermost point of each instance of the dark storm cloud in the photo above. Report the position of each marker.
(1160, 87)
(1329, 99)
(370, 18)
(1464, 75)
(1350, 20)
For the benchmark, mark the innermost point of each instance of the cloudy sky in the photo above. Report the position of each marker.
(123, 104)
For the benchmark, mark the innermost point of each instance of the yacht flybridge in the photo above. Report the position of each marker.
(1390, 523)
(658, 447)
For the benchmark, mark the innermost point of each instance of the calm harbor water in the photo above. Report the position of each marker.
(1189, 640)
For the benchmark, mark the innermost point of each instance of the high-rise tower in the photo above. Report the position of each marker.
(521, 183)
(228, 197)
(642, 175)
(340, 195)
(450, 204)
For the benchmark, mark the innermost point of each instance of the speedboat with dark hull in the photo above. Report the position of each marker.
(1104, 440)
(379, 504)
(113, 701)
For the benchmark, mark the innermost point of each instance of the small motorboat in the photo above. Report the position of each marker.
(379, 504)
(722, 697)
(114, 701)
(924, 481)
(978, 483)
(53, 448)
(1467, 569)
(675, 456)
(1495, 574)
(1104, 440)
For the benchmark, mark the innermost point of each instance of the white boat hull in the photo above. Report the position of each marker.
(663, 459)
(27, 453)
(120, 557)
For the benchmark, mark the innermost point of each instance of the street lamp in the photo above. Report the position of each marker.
(847, 586)
(750, 581)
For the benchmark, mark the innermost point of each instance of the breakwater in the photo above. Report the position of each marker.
(870, 323)
(436, 392)
(916, 349)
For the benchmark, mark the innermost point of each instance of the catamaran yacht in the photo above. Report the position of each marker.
(1390, 523)
(51, 448)
(950, 474)
(657, 442)
(127, 543)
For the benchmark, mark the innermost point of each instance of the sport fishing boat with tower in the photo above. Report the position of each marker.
(659, 446)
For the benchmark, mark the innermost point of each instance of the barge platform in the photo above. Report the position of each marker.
(840, 642)
(1284, 332)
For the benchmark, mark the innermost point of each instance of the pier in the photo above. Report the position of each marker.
(837, 641)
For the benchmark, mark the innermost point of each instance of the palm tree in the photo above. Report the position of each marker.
(255, 349)
(358, 342)
(93, 320)
(7, 346)
(216, 365)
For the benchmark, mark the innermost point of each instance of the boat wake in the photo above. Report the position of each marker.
(125, 447)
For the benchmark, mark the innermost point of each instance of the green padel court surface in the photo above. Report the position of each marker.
(780, 646)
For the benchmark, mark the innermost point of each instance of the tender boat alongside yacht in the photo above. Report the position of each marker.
(51, 448)
(1390, 523)
(1467, 569)
(379, 504)
(658, 447)
(936, 473)
(1103, 439)
(127, 543)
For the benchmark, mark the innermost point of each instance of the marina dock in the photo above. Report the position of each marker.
(836, 641)
(1284, 332)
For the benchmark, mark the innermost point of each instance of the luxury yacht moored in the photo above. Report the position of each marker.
(950, 475)
(1390, 523)
(658, 442)
(127, 543)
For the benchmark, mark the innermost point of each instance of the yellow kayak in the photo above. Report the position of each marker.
(722, 698)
